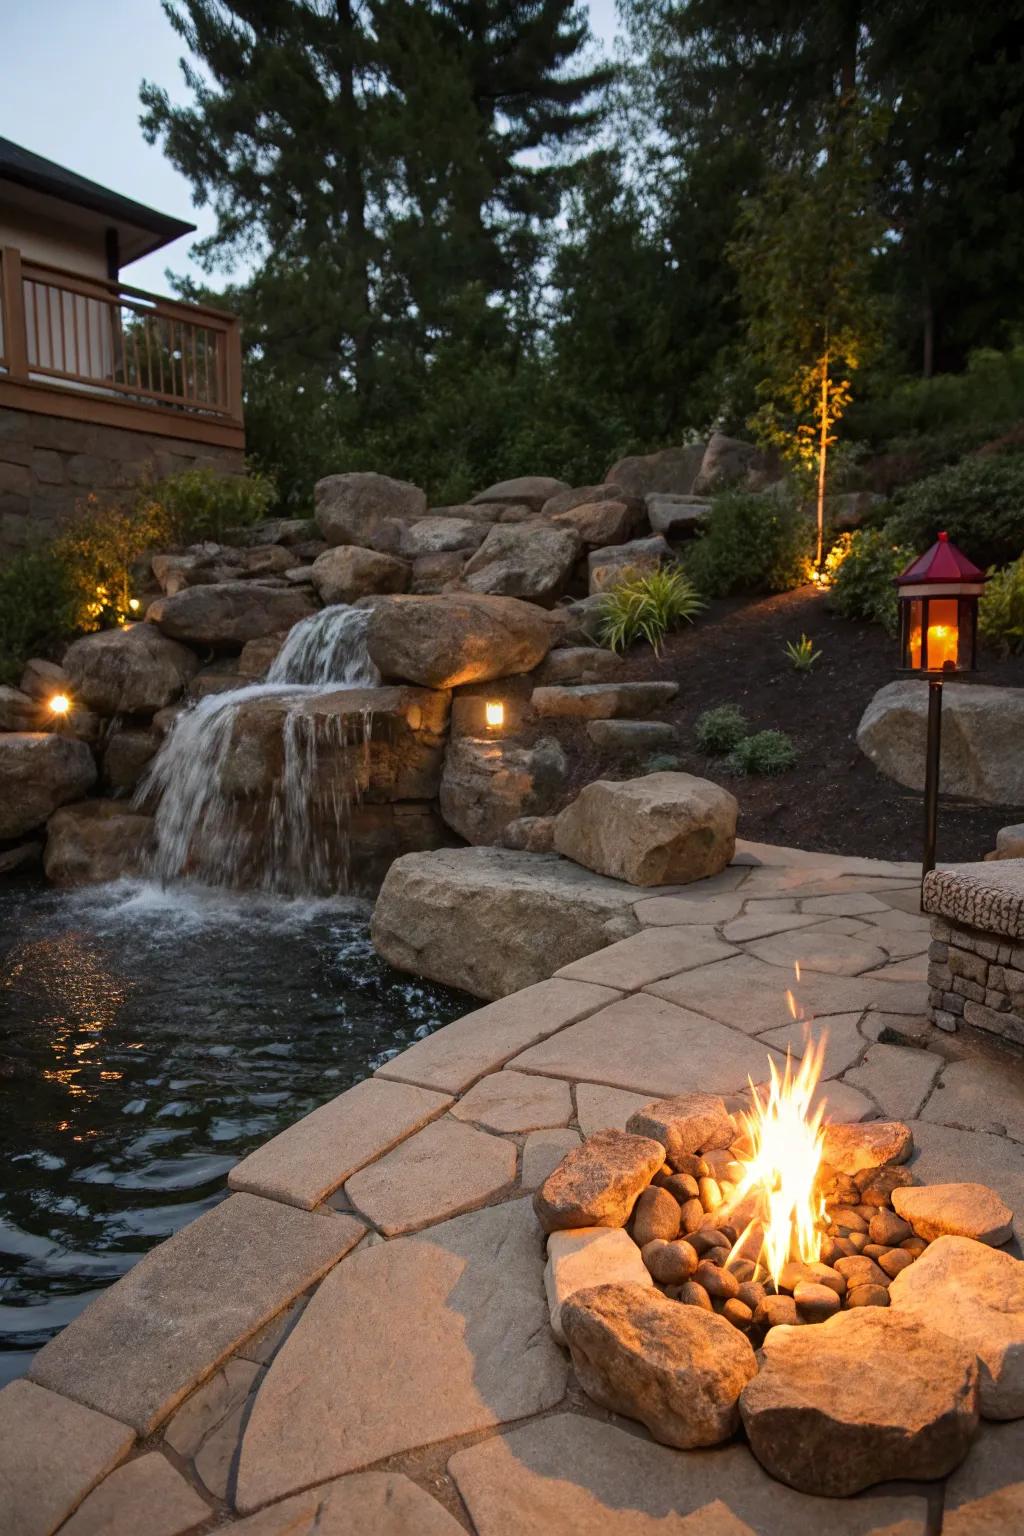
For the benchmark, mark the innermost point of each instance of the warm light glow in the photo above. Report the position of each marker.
(134, 604)
(943, 635)
(59, 704)
(494, 713)
(786, 1139)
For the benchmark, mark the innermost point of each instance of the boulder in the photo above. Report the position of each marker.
(688, 1123)
(97, 840)
(257, 655)
(602, 701)
(19, 711)
(440, 536)
(42, 679)
(278, 530)
(853, 1149)
(584, 620)
(982, 729)
(367, 509)
(579, 664)
(433, 573)
(40, 771)
(671, 471)
(598, 1183)
(975, 1295)
(218, 676)
(582, 495)
(729, 461)
(632, 738)
(677, 517)
(128, 671)
(525, 560)
(663, 829)
(527, 490)
(586, 1256)
(607, 566)
(229, 613)
(487, 784)
(677, 1369)
(531, 834)
(956, 1210)
(441, 642)
(601, 523)
(493, 920)
(869, 1395)
(345, 574)
(1009, 842)
(21, 856)
(126, 758)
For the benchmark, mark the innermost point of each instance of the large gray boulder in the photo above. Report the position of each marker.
(97, 840)
(982, 733)
(602, 522)
(367, 509)
(526, 490)
(677, 517)
(670, 470)
(19, 712)
(347, 573)
(526, 560)
(662, 829)
(129, 671)
(40, 771)
(728, 461)
(444, 641)
(488, 784)
(640, 557)
(228, 614)
(441, 535)
(493, 920)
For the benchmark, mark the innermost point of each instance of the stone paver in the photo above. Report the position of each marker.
(980, 1095)
(648, 956)
(365, 1504)
(308, 1161)
(651, 1047)
(844, 1105)
(52, 1454)
(852, 905)
(146, 1494)
(815, 950)
(403, 1345)
(673, 911)
(579, 1257)
(445, 1169)
(844, 1044)
(605, 1109)
(143, 1344)
(761, 925)
(985, 1495)
(568, 1474)
(944, 1155)
(209, 1405)
(464, 1050)
(542, 1153)
(899, 1080)
(513, 1101)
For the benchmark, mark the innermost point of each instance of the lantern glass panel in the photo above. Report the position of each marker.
(943, 633)
(915, 629)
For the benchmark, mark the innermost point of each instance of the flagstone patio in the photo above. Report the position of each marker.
(357, 1339)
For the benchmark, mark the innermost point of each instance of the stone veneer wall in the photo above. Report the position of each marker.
(976, 977)
(48, 463)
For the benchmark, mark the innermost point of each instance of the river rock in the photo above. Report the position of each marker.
(97, 840)
(441, 536)
(597, 1183)
(488, 784)
(959, 1210)
(228, 613)
(663, 829)
(612, 564)
(684, 1124)
(366, 509)
(656, 1216)
(866, 1144)
(531, 491)
(671, 471)
(40, 771)
(975, 1295)
(866, 1396)
(347, 573)
(586, 1256)
(525, 560)
(601, 523)
(128, 671)
(982, 728)
(677, 1369)
(445, 641)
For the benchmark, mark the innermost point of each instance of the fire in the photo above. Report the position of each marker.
(785, 1139)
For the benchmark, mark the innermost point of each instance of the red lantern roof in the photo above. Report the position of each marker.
(942, 563)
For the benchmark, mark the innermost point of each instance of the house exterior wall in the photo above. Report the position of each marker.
(48, 240)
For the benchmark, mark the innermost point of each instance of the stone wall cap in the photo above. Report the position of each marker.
(989, 896)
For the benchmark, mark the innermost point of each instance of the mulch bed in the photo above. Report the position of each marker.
(833, 800)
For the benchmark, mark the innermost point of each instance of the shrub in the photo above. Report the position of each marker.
(764, 753)
(37, 609)
(98, 548)
(200, 504)
(647, 607)
(863, 587)
(980, 503)
(721, 729)
(990, 391)
(662, 762)
(1001, 611)
(752, 544)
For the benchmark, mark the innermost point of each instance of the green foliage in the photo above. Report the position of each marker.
(979, 502)
(970, 407)
(752, 544)
(661, 762)
(863, 587)
(647, 607)
(721, 729)
(1001, 610)
(765, 754)
(200, 504)
(802, 654)
(97, 550)
(37, 609)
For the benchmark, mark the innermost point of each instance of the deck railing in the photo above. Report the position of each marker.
(105, 339)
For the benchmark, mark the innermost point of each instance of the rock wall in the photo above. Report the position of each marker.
(976, 978)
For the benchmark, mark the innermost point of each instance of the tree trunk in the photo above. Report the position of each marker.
(927, 333)
(354, 196)
(822, 462)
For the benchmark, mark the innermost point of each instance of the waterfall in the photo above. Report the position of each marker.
(293, 841)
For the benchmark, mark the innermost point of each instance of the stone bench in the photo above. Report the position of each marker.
(976, 958)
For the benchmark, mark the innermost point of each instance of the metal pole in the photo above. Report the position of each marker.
(931, 773)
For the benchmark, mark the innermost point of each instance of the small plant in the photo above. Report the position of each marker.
(802, 654)
(1001, 611)
(646, 607)
(721, 729)
(764, 754)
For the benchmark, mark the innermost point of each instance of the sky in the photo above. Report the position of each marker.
(69, 80)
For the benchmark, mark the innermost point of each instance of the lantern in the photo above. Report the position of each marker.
(938, 603)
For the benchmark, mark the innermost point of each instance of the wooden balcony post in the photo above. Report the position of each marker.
(233, 370)
(12, 300)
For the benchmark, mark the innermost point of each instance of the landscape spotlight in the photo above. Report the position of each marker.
(59, 704)
(494, 714)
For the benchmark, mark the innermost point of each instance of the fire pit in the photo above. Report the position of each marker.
(708, 1268)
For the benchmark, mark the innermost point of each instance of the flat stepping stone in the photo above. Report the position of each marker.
(814, 950)
(844, 1043)
(981, 1096)
(146, 1494)
(572, 1474)
(311, 1158)
(144, 1343)
(542, 1153)
(603, 701)
(585, 1256)
(52, 1453)
(985, 1495)
(605, 1109)
(974, 1294)
(365, 1504)
(515, 1101)
(762, 925)
(898, 1078)
(443, 1170)
(671, 911)
(405, 1344)
(629, 737)
(650, 956)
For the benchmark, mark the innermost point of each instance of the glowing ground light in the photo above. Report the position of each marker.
(134, 604)
(59, 704)
(494, 713)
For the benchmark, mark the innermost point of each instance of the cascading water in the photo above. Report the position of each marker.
(295, 841)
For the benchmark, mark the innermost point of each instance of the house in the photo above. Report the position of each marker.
(101, 385)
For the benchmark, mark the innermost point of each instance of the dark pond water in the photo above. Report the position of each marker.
(149, 1038)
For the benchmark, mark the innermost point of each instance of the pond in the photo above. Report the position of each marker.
(149, 1038)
